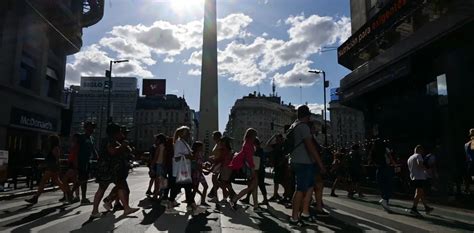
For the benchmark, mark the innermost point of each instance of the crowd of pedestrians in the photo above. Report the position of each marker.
(300, 166)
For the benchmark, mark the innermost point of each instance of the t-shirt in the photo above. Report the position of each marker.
(415, 165)
(300, 154)
(86, 149)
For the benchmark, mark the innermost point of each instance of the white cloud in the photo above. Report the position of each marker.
(298, 75)
(250, 63)
(194, 72)
(316, 108)
(306, 37)
(94, 61)
(165, 38)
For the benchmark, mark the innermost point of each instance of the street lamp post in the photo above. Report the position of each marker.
(325, 85)
(108, 73)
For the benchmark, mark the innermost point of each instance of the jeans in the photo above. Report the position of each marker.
(384, 179)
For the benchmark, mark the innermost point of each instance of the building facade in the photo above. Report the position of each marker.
(90, 103)
(32, 63)
(347, 125)
(160, 114)
(411, 76)
(267, 114)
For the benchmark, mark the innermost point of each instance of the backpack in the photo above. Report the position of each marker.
(289, 143)
(426, 161)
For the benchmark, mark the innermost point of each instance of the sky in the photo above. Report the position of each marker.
(258, 41)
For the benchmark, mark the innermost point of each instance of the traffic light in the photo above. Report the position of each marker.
(326, 84)
(107, 73)
(272, 125)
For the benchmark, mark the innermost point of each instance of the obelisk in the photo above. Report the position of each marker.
(208, 113)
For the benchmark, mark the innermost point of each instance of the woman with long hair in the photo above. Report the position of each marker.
(71, 175)
(182, 152)
(52, 170)
(226, 172)
(110, 170)
(244, 159)
(158, 162)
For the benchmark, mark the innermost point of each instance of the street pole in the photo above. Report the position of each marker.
(109, 86)
(108, 95)
(324, 113)
(325, 117)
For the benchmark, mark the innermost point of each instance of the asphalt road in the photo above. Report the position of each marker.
(346, 215)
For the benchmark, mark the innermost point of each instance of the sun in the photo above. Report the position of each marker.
(186, 6)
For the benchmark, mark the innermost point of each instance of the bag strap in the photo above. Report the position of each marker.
(302, 140)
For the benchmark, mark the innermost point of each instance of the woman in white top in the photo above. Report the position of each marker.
(182, 151)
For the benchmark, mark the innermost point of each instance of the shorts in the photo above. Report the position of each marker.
(159, 171)
(225, 174)
(418, 183)
(304, 176)
(83, 172)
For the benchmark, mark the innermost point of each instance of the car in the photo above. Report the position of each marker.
(135, 164)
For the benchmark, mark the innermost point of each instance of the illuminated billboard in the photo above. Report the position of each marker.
(154, 87)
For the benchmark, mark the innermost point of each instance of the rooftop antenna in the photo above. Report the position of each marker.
(301, 92)
(273, 87)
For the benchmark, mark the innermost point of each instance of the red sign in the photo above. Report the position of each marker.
(153, 87)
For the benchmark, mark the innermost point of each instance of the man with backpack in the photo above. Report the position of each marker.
(305, 162)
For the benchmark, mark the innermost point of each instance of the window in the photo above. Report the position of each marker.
(51, 83)
(27, 71)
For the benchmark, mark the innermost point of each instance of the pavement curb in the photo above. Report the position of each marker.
(30, 192)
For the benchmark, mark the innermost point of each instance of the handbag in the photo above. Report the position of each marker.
(183, 175)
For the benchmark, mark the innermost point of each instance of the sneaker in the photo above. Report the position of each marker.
(297, 223)
(205, 204)
(245, 201)
(148, 193)
(214, 199)
(428, 209)
(62, 199)
(334, 195)
(76, 199)
(385, 206)
(361, 195)
(308, 219)
(264, 202)
(282, 201)
(32, 200)
(288, 205)
(414, 212)
(107, 206)
(322, 213)
(96, 215)
(117, 207)
(275, 198)
(85, 201)
(234, 205)
(175, 204)
(130, 211)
